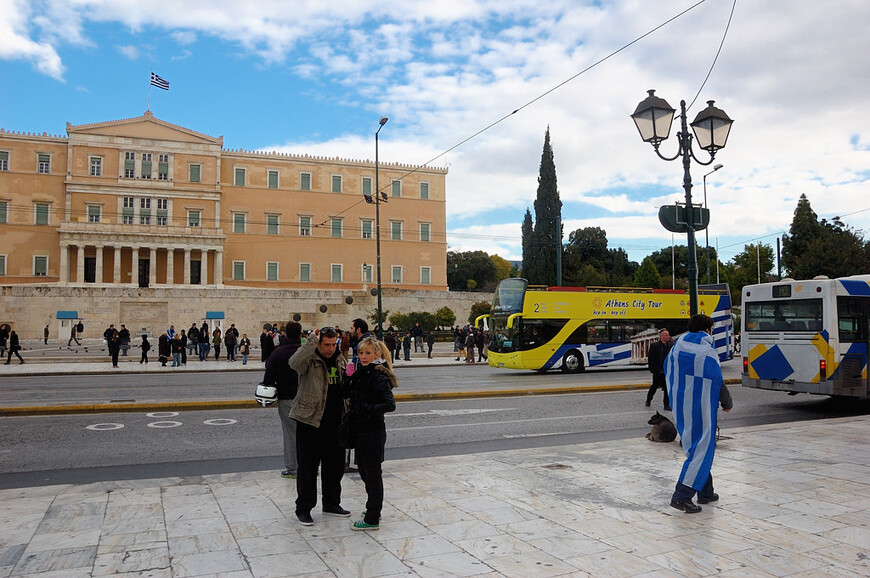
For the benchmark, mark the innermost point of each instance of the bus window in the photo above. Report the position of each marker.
(537, 332)
(796, 315)
(598, 331)
(852, 318)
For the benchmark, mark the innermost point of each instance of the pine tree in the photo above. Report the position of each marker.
(548, 219)
(528, 246)
(802, 234)
(648, 275)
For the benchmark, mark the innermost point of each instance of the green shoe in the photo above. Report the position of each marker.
(287, 474)
(361, 525)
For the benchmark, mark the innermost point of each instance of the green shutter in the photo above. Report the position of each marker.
(195, 171)
(273, 179)
(41, 214)
(305, 182)
(3, 215)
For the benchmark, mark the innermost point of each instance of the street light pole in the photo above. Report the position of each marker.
(653, 118)
(707, 229)
(381, 122)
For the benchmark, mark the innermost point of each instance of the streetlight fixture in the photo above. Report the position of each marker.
(653, 118)
(707, 229)
(381, 124)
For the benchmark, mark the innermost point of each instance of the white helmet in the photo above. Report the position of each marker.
(266, 394)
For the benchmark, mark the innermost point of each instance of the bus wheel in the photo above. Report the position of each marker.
(572, 362)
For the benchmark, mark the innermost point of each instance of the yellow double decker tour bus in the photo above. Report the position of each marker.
(572, 328)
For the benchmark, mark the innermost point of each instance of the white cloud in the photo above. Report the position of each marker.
(130, 52)
(16, 44)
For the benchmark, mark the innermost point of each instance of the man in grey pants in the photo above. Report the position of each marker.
(284, 378)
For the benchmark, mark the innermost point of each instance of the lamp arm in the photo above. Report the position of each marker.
(703, 164)
(678, 154)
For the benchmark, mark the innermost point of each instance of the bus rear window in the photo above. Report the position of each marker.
(796, 315)
(852, 318)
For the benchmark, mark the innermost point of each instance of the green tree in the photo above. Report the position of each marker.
(548, 218)
(373, 317)
(814, 247)
(744, 267)
(647, 275)
(426, 320)
(470, 265)
(445, 317)
(477, 309)
(802, 234)
(529, 247)
(502, 267)
(400, 321)
(588, 260)
(680, 268)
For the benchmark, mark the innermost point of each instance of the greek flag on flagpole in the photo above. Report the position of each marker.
(159, 82)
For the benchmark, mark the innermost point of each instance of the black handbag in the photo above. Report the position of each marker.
(346, 434)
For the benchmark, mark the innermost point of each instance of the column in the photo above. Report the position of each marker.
(64, 264)
(219, 268)
(203, 275)
(170, 265)
(152, 267)
(80, 265)
(187, 265)
(98, 276)
(116, 273)
(134, 267)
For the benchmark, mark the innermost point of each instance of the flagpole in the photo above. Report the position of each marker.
(149, 90)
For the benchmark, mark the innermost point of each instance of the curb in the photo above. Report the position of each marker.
(29, 411)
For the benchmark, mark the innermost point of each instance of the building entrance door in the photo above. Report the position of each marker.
(196, 272)
(144, 272)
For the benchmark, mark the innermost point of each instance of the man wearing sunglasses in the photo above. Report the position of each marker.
(318, 409)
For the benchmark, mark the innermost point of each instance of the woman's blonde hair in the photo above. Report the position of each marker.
(379, 347)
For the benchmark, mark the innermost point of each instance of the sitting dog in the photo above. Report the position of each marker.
(663, 429)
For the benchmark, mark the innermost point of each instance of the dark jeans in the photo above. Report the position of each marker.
(203, 351)
(370, 456)
(658, 382)
(217, 352)
(144, 358)
(684, 493)
(318, 447)
(407, 354)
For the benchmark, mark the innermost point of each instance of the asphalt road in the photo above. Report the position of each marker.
(84, 448)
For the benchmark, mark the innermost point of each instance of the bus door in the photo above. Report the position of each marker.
(853, 325)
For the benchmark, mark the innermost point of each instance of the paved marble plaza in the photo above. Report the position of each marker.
(795, 501)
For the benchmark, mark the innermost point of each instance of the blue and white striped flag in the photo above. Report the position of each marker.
(159, 82)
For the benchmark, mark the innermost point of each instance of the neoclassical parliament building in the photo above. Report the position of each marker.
(142, 203)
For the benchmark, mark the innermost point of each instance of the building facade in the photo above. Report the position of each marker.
(143, 203)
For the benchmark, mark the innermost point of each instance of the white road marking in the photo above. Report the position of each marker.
(104, 426)
(220, 421)
(509, 421)
(537, 435)
(159, 414)
(164, 424)
(453, 412)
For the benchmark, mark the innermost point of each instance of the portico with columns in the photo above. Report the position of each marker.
(94, 254)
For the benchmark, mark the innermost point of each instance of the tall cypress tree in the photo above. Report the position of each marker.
(802, 234)
(548, 220)
(528, 246)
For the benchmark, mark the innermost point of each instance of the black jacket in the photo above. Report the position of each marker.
(280, 374)
(370, 390)
(658, 352)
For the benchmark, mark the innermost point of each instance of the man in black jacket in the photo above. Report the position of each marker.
(286, 381)
(658, 352)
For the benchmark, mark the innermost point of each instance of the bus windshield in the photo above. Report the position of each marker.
(793, 315)
(508, 298)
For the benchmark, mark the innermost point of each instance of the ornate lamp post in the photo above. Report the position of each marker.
(381, 122)
(653, 118)
(707, 229)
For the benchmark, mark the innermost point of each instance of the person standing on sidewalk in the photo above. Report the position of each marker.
(370, 389)
(658, 352)
(430, 342)
(45, 335)
(696, 388)
(286, 382)
(124, 339)
(113, 343)
(146, 347)
(245, 348)
(14, 348)
(318, 409)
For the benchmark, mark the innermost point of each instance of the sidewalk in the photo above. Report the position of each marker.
(795, 501)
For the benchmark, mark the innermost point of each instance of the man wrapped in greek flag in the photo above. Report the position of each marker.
(695, 388)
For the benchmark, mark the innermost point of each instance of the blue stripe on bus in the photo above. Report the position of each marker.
(856, 287)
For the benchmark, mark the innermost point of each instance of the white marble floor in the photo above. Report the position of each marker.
(795, 501)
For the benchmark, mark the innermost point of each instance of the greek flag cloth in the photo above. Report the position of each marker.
(694, 380)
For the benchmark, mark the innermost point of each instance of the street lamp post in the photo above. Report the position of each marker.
(653, 118)
(381, 122)
(707, 229)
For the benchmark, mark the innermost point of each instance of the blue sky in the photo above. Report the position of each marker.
(315, 76)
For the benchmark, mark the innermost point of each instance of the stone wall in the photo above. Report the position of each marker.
(151, 310)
